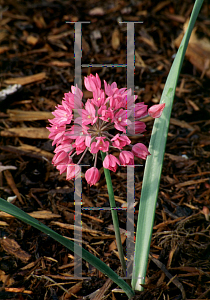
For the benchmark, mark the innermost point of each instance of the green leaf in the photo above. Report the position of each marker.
(94, 261)
(154, 162)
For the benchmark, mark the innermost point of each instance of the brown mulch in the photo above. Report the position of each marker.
(37, 52)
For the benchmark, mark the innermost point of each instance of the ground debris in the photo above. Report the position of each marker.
(37, 68)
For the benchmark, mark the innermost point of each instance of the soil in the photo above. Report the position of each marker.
(37, 52)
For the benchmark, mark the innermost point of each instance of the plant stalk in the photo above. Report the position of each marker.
(114, 215)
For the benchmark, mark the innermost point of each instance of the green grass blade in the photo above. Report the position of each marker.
(114, 215)
(94, 261)
(154, 162)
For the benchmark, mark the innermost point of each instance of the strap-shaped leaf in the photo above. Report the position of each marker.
(94, 261)
(154, 162)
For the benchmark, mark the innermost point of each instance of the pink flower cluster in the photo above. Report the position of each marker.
(90, 130)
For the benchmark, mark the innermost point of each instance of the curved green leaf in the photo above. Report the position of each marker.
(94, 261)
(154, 162)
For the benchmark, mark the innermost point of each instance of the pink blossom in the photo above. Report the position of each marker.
(100, 126)
(107, 114)
(100, 145)
(98, 98)
(92, 176)
(62, 167)
(57, 133)
(128, 99)
(116, 101)
(92, 83)
(74, 99)
(139, 127)
(73, 171)
(65, 146)
(120, 141)
(110, 162)
(109, 89)
(60, 158)
(140, 150)
(140, 110)
(79, 144)
(76, 131)
(121, 120)
(88, 114)
(63, 115)
(126, 158)
(155, 111)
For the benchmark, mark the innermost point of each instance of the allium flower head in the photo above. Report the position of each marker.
(108, 110)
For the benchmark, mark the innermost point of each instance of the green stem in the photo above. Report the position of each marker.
(114, 214)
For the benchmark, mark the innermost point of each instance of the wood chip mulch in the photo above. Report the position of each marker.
(37, 68)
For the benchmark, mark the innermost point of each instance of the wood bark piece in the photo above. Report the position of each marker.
(26, 79)
(100, 294)
(16, 115)
(6, 279)
(44, 214)
(40, 214)
(28, 132)
(73, 290)
(60, 64)
(190, 182)
(181, 124)
(33, 149)
(18, 290)
(11, 183)
(12, 247)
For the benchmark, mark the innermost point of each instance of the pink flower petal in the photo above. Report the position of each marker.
(155, 111)
(92, 176)
(140, 150)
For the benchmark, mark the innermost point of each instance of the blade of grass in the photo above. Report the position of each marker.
(154, 163)
(114, 214)
(94, 261)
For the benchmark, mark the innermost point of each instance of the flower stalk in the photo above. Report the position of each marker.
(114, 214)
